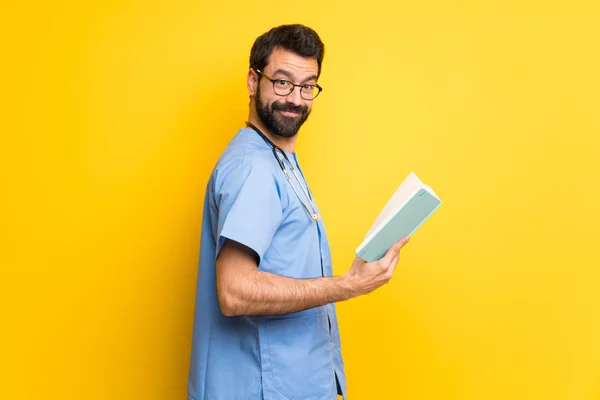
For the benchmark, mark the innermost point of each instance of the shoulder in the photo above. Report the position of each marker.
(246, 156)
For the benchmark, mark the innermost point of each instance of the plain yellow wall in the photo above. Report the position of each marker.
(114, 113)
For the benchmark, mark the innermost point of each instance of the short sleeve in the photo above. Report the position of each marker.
(249, 207)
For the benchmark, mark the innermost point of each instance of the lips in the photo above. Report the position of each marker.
(289, 113)
(289, 110)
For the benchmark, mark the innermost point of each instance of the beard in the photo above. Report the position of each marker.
(277, 123)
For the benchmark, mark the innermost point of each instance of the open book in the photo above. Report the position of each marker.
(411, 204)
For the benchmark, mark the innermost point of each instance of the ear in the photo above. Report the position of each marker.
(252, 82)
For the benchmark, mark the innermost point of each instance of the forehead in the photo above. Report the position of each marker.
(300, 67)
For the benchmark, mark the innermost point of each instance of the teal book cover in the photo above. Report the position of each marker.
(410, 206)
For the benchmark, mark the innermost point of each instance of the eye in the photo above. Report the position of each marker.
(308, 87)
(282, 82)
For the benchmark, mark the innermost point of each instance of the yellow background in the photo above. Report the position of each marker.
(114, 112)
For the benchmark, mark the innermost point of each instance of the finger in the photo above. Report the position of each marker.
(403, 241)
(393, 251)
(392, 266)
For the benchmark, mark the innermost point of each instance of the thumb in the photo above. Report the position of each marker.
(394, 250)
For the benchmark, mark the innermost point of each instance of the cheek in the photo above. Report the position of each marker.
(262, 101)
(265, 100)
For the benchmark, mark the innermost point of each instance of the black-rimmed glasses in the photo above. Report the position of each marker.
(283, 87)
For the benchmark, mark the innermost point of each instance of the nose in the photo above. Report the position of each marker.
(294, 97)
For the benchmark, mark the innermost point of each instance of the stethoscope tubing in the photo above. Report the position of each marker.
(314, 216)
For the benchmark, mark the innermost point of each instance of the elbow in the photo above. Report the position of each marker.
(230, 306)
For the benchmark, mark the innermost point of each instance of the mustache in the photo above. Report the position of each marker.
(289, 107)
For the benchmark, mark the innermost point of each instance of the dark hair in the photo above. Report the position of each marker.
(296, 38)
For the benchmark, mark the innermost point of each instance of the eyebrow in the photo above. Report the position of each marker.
(291, 76)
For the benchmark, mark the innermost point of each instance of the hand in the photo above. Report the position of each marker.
(364, 277)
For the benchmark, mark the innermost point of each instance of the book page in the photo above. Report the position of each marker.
(410, 185)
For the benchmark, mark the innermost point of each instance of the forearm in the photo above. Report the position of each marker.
(262, 293)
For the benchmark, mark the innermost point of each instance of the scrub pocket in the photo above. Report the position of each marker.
(300, 357)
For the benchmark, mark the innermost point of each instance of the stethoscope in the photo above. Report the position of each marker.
(313, 214)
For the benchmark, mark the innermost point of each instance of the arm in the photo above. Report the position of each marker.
(244, 290)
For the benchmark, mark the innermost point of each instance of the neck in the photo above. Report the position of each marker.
(287, 144)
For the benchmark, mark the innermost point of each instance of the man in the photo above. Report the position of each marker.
(265, 323)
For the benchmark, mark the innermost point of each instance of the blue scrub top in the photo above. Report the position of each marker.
(295, 356)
